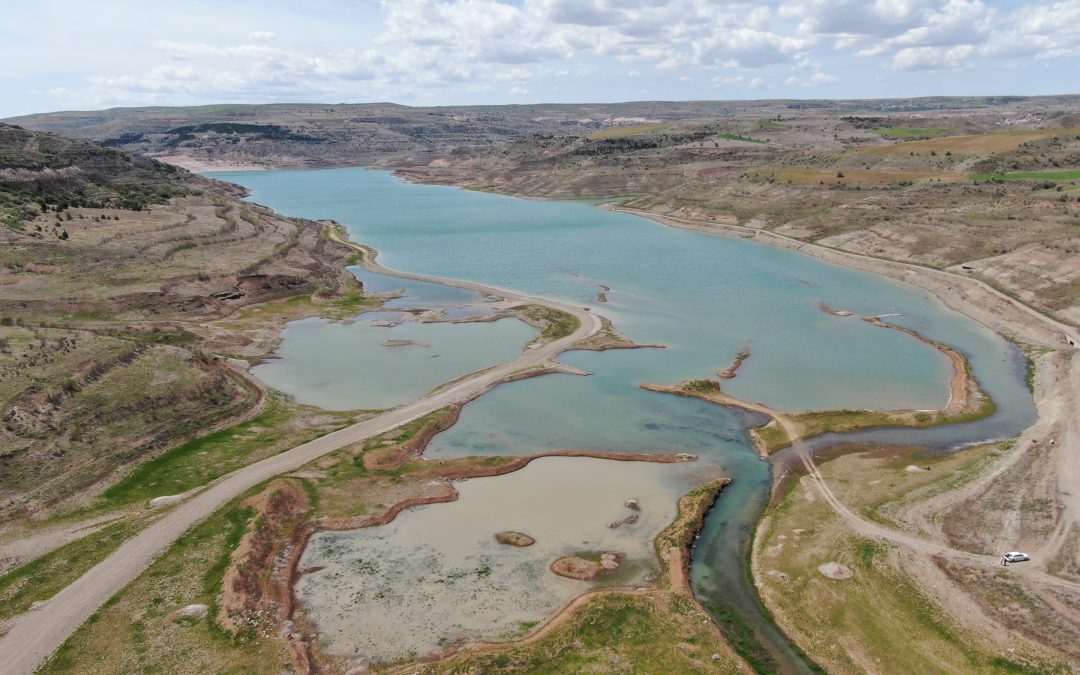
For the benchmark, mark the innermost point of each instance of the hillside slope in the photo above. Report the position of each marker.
(112, 270)
(319, 135)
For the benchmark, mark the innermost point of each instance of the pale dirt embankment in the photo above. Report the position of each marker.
(196, 165)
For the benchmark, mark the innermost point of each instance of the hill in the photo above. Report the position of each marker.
(43, 171)
(117, 276)
(319, 135)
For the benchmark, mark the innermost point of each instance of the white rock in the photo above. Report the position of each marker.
(835, 570)
(166, 500)
(198, 611)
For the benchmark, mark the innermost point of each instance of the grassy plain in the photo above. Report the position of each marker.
(884, 617)
(1028, 175)
(281, 425)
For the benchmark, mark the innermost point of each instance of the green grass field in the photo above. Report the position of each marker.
(740, 137)
(40, 579)
(1028, 175)
(909, 132)
(202, 460)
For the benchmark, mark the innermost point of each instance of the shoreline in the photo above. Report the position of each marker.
(979, 301)
(1056, 361)
(943, 285)
(967, 401)
(35, 635)
(975, 299)
(1011, 319)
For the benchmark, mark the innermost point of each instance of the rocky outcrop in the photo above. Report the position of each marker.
(511, 538)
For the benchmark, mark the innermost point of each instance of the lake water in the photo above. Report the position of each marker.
(705, 297)
(351, 366)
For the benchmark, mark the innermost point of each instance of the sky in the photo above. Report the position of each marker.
(86, 55)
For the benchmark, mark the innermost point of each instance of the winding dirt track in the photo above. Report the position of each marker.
(868, 528)
(37, 634)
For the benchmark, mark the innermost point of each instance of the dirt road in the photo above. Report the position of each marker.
(37, 634)
(869, 528)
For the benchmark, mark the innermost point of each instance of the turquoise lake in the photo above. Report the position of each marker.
(705, 297)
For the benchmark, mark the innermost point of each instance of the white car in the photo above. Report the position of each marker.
(1016, 556)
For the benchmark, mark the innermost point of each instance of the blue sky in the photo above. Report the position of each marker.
(62, 54)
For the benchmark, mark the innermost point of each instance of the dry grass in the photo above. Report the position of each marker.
(974, 144)
(139, 631)
(855, 176)
(628, 131)
(77, 405)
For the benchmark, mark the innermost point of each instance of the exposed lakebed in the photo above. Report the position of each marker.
(706, 298)
(437, 574)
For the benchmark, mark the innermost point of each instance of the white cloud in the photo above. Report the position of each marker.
(814, 80)
(933, 58)
(432, 50)
(1049, 30)
(855, 19)
(739, 82)
(748, 48)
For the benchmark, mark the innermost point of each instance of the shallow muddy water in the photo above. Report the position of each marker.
(350, 366)
(706, 298)
(436, 573)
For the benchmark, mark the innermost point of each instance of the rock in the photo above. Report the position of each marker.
(198, 611)
(630, 520)
(574, 567)
(584, 569)
(632, 504)
(510, 538)
(609, 561)
(166, 500)
(835, 570)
